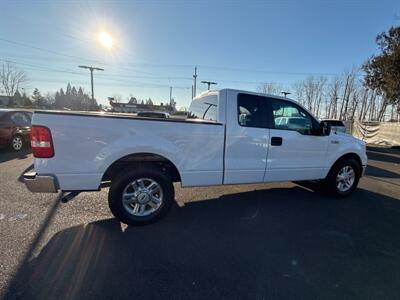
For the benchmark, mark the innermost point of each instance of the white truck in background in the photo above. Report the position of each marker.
(229, 137)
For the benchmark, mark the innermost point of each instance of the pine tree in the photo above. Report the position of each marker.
(37, 98)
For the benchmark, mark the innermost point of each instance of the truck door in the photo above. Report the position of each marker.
(296, 152)
(247, 136)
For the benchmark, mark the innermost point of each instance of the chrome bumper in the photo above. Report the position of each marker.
(363, 170)
(40, 183)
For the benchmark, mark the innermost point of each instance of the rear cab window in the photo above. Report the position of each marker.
(204, 108)
(252, 111)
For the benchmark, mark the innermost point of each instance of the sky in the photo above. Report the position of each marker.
(157, 44)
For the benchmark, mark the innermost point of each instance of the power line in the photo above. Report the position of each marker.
(112, 74)
(117, 84)
(45, 69)
(231, 69)
(45, 50)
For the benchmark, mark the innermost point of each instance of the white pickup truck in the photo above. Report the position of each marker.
(229, 137)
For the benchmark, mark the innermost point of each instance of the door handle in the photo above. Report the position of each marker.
(276, 141)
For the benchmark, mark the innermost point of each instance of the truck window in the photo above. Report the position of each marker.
(205, 108)
(295, 117)
(251, 111)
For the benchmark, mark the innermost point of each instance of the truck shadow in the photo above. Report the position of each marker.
(264, 244)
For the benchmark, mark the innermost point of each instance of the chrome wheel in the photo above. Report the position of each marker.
(142, 197)
(17, 143)
(345, 178)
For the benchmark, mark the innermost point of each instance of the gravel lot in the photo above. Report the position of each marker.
(265, 241)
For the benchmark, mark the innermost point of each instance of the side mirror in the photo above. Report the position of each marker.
(324, 128)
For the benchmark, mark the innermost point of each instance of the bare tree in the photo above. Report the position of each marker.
(310, 92)
(270, 88)
(299, 92)
(11, 78)
(320, 84)
(382, 108)
(334, 88)
(349, 89)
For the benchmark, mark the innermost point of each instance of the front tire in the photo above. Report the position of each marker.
(141, 196)
(17, 143)
(343, 178)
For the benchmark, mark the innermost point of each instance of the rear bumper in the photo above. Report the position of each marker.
(40, 183)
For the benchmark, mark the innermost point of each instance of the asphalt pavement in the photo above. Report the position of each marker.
(264, 241)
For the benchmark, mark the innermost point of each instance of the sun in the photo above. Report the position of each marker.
(105, 39)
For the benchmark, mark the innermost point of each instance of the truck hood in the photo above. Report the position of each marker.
(347, 138)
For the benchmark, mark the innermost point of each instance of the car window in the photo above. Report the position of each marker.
(20, 118)
(29, 116)
(251, 111)
(289, 116)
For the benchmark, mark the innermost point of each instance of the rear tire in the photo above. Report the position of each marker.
(141, 196)
(343, 177)
(17, 143)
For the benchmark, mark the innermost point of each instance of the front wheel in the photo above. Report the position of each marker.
(141, 196)
(343, 178)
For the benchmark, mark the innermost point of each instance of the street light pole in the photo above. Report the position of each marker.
(194, 82)
(91, 69)
(209, 83)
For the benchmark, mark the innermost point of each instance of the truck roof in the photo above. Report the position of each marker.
(216, 92)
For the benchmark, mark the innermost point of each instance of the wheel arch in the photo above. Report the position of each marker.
(350, 155)
(142, 159)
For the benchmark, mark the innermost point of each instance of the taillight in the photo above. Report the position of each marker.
(41, 142)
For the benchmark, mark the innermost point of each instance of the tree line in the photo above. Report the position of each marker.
(372, 96)
(12, 79)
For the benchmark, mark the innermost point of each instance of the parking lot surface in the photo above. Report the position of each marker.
(264, 241)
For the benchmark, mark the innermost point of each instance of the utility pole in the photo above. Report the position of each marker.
(194, 82)
(91, 75)
(170, 95)
(285, 94)
(209, 83)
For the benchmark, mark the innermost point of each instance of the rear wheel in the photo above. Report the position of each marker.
(141, 196)
(17, 143)
(343, 178)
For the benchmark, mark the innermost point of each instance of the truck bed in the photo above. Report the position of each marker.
(86, 144)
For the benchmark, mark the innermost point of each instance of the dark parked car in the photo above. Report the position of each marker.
(15, 128)
(337, 125)
(153, 114)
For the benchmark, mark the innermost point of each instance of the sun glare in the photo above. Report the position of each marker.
(106, 39)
